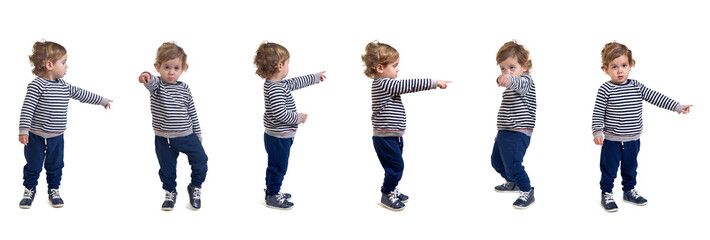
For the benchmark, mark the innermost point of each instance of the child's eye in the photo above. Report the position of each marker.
(624, 66)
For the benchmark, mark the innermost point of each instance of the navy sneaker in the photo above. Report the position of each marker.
(55, 199)
(278, 201)
(285, 195)
(525, 199)
(633, 197)
(169, 202)
(194, 193)
(608, 202)
(507, 187)
(391, 201)
(27, 198)
(402, 198)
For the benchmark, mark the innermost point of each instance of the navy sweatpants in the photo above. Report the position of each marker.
(614, 153)
(507, 158)
(168, 149)
(278, 149)
(389, 151)
(47, 151)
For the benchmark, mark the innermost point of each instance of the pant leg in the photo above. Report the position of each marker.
(609, 164)
(279, 150)
(513, 146)
(54, 162)
(629, 164)
(497, 160)
(167, 158)
(192, 147)
(34, 155)
(389, 152)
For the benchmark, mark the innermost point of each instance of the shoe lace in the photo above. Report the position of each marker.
(396, 192)
(634, 194)
(196, 193)
(608, 198)
(169, 196)
(54, 193)
(393, 196)
(524, 196)
(28, 194)
(280, 198)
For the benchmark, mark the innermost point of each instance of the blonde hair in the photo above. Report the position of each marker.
(378, 53)
(267, 58)
(513, 49)
(43, 52)
(169, 51)
(614, 50)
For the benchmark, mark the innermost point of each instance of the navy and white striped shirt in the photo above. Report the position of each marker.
(388, 116)
(44, 111)
(173, 110)
(618, 109)
(280, 116)
(517, 110)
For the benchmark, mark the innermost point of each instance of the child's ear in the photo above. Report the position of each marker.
(48, 65)
(604, 67)
(157, 66)
(380, 68)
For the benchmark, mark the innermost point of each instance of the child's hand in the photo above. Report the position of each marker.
(322, 76)
(304, 117)
(23, 139)
(108, 104)
(599, 141)
(442, 84)
(144, 78)
(502, 81)
(686, 109)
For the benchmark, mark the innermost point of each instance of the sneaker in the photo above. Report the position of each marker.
(525, 199)
(391, 201)
(402, 198)
(285, 195)
(169, 202)
(633, 197)
(608, 202)
(507, 187)
(194, 193)
(27, 198)
(55, 199)
(278, 201)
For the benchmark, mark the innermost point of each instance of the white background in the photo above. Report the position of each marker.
(111, 186)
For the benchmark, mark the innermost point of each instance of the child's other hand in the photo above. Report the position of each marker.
(502, 81)
(304, 117)
(442, 84)
(144, 78)
(599, 141)
(322, 76)
(686, 109)
(23, 139)
(108, 104)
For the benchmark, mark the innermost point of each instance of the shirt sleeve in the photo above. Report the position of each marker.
(599, 112)
(302, 81)
(28, 107)
(659, 99)
(398, 87)
(520, 84)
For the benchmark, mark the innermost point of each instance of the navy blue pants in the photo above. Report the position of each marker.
(168, 149)
(278, 149)
(47, 151)
(507, 158)
(389, 151)
(614, 153)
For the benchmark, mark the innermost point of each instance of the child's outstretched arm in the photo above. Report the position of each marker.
(149, 81)
(84, 96)
(520, 84)
(661, 100)
(304, 81)
(686, 109)
(398, 87)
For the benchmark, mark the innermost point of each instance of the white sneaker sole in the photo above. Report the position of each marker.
(280, 208)
(637, 204)
(393, 209)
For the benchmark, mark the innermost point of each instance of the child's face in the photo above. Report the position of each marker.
(511, 66)
(389, 71)
(618, 69)
(170, 70)
(59, 68)
(284, 69)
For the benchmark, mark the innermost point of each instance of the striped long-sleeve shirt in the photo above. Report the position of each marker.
(388, 116)
(44, 111)
(173, 110)
(618, 109)
(280, 116)
(517, 110)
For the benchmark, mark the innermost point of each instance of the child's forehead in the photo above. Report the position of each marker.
(174, 61)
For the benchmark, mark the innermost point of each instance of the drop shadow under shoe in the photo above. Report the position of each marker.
(391, 201)
(169, 202)
(27, 197)
(608, 202)
(55, 199)
(525, 199)
(507, 187)
(278, 201)
(633, 197)
(195, 194)
(285, 195)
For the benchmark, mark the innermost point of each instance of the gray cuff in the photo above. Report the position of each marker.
(598, 134)
(679, 108)
(300, 118)
(104, 101)
(434, 84)
(317, 75)
(24, 131)
(199, 136)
